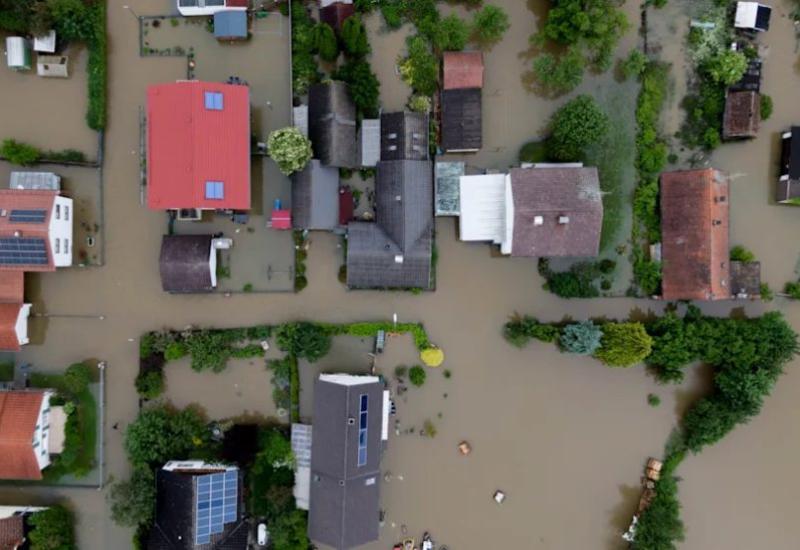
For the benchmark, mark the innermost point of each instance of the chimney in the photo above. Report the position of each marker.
(538, 220)
(563, 220)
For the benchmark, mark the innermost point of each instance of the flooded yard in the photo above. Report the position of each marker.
(564, 437)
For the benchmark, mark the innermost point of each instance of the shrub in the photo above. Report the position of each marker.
(766, 107)
(133, 501)
(533, 152)
(560, 74)
(432, 357)
(77, 378)
(304, 67)
(290, 149)
(51, 529)
(634, 65)
(363, 85)
(276, 450)
(647, 274)
(489, 25)
(325, 42)
(653, 400)
(419, 103)
(150, 384)
(624, 344)
(793, 290)
(578, 282)
(354, 38)
(581, 338)
(451, 34)
(304, 340)
(20, 153)
(175, 351)
(417, 375)
(160, 434)
(519, 330)
(392, 12)
(575, 126)
(210, 349)
(766, 293)
(660, 525)
(420, 69)
(741, 254)
(727, 67)
(289, 531)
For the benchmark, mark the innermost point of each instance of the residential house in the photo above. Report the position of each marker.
(404, 136)
(315, 197)
(31, 430)
(14, 526)
(742, 115)
(198, 146)
(210, 7)
(461, 98)
(351, 417)
(539, 211)
(694, 233)
(199, 506)
(332, 124)
(787, 190)
(188, 263)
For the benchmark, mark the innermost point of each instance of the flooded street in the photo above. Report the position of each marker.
(563, 436)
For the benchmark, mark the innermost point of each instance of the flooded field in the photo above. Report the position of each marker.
(564, 437)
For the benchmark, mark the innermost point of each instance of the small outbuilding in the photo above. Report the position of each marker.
(230, 25)
(446, 200)
(461, 98)
(188, 263)
(370, 142)
(18, 53)
(315, 197)
(35, 180)
(742, 115)
(788, 186)
(404, 136)
(746, 279)
(45, 43)
(752, 16)
(53, 66)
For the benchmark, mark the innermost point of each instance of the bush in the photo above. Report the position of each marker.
(578, 282)
(560, 74)
(51, 529)
(653, 400)
(417, 375)
(19, 153)
(766, 107)
(533, 152)
(432, 357)
(325, 42)
(392, 12)
(624, 344)
(793, 290)
(276, 450)
(575, 126)
(420, 69)
(77, 378)
(150, 384)
(634, 65)
(160, 434)
(581, 338)
(290, 149)
(210, 349)
(304, 67)
(489, 25)
(363, 85)
(354, 38)
(419, 104)
(289, 531)
(766, 293)
(133, 501)
(452, 34)
(519, 330)
(175, 351)
(660, 525)
(304, 340)
(741, 254)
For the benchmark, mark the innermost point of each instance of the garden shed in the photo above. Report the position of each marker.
(315, 197)
(45, 43)
(742, 115)
(18, 53)
(370, 141)
(53, 66)
(752, 16)
(35, 180)
(230, 25)
(188, 263)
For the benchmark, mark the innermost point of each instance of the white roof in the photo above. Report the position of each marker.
(52, 65)
(301, 447)
(16, 52)
(746, 14)
(45, 43)
(483, 208)
(370, 141)
(348, 379)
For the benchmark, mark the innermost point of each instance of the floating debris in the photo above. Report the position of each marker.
(499, 497)
(464, 448)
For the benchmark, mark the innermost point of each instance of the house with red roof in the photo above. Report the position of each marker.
(31, 430)
(198, 146)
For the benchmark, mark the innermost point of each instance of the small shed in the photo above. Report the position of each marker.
(52, 66)
(448, 176)
(188, 263)
(35, 180)
(281, 219)
(230, 25)
(18, 53)
(300, 118)
(752, 16)
(45, 43)
(788, 186)
(746, 279)
(370, 141)
(462, 124)
(742, 115)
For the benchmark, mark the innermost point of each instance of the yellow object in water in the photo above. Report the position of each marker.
(432, 357)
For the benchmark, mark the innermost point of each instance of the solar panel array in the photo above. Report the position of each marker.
(28, 216)
(217, 499)
(362, 429)
(23, 251)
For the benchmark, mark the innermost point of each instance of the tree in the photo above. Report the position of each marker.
(420, 69)
(417, 375)
(289, 531)
(581, 338)
(276, 450)
(20, 153)
(624, 344)
(150, 384)
(72, 19)
(77, 377)
(160, 434)
(452, 34)
(575, 126)
(489, 25)
(560, 74)
(355, 41)
(419, 104)
(52, 529)
(363, 85)
(634, 64)
(304, 340)
(290, 149)
(326, 43)
(133, 501)
(727, 67)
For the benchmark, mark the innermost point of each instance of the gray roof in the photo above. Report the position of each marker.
(395, 251)
(745, 278)
(315, 197)
(332, 124)
(462, 129)
(35, 180)
(184, 263)
(448, 192)
(552, 193)
(404, 136)
(370, 141)
(345, 500)
(230, 24)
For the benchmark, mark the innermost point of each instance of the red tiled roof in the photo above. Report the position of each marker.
(237, 3)
(19, 411)
(694, 234)
(27, 199)
(742, 115)
(462, 70)
(8, 327)
(12, 532)
(188, 145)
(335, 14)
(12, 286)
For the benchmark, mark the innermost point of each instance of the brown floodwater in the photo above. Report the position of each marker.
(564, 437)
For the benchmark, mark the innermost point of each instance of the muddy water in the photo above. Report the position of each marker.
(564, 437)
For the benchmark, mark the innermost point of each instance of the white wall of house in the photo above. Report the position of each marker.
(60, 231)
(41, 435)
(189, 8)
(21, 327)
(8, 511)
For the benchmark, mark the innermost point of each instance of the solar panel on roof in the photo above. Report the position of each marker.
(22, 251)
(28, 216)
(217, 502)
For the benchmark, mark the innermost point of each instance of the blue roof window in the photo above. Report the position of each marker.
(214, 101)
(215, 190)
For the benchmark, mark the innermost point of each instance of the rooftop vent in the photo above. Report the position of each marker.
(392, 136)
(351, 421)
(538, 220)
(563, 220)
(398, 198)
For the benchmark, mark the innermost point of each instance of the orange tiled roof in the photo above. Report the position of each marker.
(19, 411)
(8, 327)
(12, 287)
(462, 70)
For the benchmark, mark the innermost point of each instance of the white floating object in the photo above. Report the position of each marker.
(499, 497)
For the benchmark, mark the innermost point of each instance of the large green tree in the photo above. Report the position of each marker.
(160, 434)
(289, 531)
(290, 149)
(362, 84)
(305, 340)
(624, 344)
(355, 41)
(420, 69)
(489, 24)
(52, 529)
(575, 126)
(133, 501)
(452, 34)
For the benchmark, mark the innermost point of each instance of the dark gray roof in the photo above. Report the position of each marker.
(315, 197)
(184, 263)
(173, 528)
(746, 279)
(230, 24)
(345, 501)
(332, 124)
(395, 251)
(788, 188)
(462, 128)
(404, 136)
